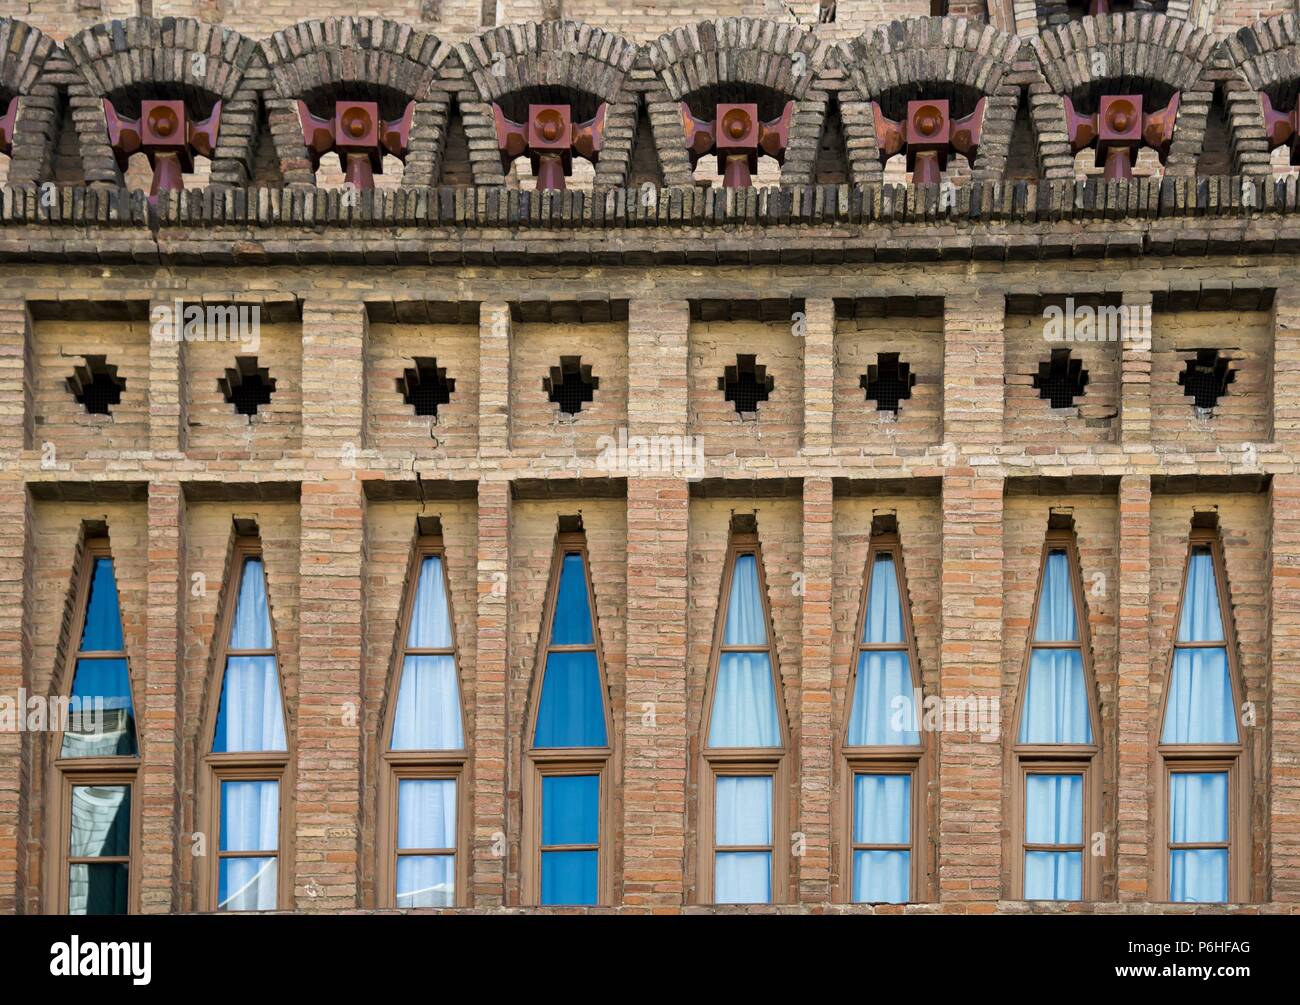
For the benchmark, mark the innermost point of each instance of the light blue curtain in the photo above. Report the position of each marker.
(744, 703)
(426, 818)
(1056, 705)
(1056, 621)
(884, 709)
(103, 629)
(431, 615)
(1198, 813)
(745, 622)
(570, 816)
(1053, 815)
(1200, 619)
(101, 721)
(101, 826)
(250, 821)
(571, 624)
(882, 814)
(251, 715)
(1200, 707)
(742, 816)
(884, 621)
(427, 716)
(571, 712)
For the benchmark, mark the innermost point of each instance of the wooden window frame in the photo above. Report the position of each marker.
(420, 765)
(731, 761)
(1058, 758)
(1174, 758)
(541, 761)
(885, 759)
(104, 770)
(249, 766)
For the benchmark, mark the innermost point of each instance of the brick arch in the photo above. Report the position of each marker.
(732, 56)
(550, 61)
(24, 54)
(1264, 56)
(938, 57)
(123, 58)
(370, 58)
(1150, 53)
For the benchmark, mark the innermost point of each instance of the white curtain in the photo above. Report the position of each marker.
(884, 710)
(251, 716)
(250, 821)
(1056, 621)
(884, 621)
(428, 705)
(252, 627)
(881, 815)
(430, 617)
(1200, 707)
(1198, 813)
(1056, 705)
(1053, 815)
(1201, 620)
(743, 816)
(745, 623)
(426, 818)
(744, 703)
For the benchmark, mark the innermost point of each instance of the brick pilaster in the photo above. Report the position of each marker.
(1284, 694)
(15, 392)
(333, 372)
(1133, 824)
(816, 727)
(973, 354)
(494, 379)
(487, 871)
(160, 715)
(970, 763)
(818, 374)
(1286, 366)
(15, 657)
(1135, 369)
(167, 408)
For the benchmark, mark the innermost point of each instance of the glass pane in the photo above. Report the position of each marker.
(570, 809)
(1201, 620)
(250, 816)
(744, 703)
(98, 888)
(746, 625)
(882, 809)
(571, 712)
(1198, 807)
(1056, 706)
(426, 813)
(427, 716)
(1200, 708)
(250, 716)
(252, 626)
(881, 877)
(1053, 875)
(101, 717)
(569, 877)
(885, 708)
(247, 884)
(1198, 875)
(742, 877)
(743, 810)
(103, 630)
(571, 625)
(426, 881)
(1056, 621)
(1053, 809)
(884, 606)
(430, 617)
(101, 821)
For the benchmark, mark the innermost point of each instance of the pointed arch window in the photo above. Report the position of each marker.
(95, 824)
(568, 742)
(248, 758)
(743, 805)
(882, 742)
(422, 790)
(1056, 748)
(1201, 744)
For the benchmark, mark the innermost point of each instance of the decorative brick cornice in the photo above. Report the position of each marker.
(23, 54)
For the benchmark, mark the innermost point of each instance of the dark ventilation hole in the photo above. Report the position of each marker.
(1061, 379)
(570, 384)
(426, 386)
(96, 386)
(888, 382)
(826, 12)
(1206, 378)
(746, 384)
(247, 386)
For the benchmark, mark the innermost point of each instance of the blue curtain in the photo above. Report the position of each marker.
(103, 630)
(742, 816)
(884, 621)
(431, 615)
(251, 715)
(1198, 813)
(1056, 705)
(426, 818)
(428, 705)
(745, 622)
(1200, 707)
(744, 703)
(1053, 815)
(101, 826)
(570, 816)
(1200, 620)
(571, 712)
(101, 720)
(250, 821)
(571, 624)
(882, 806)
(884, 711)
(1056, 621)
